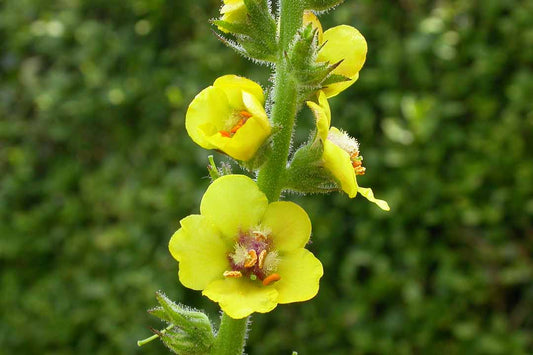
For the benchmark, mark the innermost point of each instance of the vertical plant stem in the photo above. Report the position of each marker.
(231, 336)
(285, 105)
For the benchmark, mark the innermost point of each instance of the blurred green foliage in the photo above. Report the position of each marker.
(97, 170)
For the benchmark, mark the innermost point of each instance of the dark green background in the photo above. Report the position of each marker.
(97, 170)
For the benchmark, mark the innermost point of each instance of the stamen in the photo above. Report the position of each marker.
(232, 274)
(357, 163)
(271, 278)
(251, 260)
(245, 114)
(359, 170)
(259, 235)
(239, 124)
(261, 260)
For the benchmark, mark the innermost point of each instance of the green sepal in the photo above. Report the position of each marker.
(232, 27)
(263, 21)
(306, 173)
(256, 37)
(190, 330)
(257, 49)
(335, 78)
(309, 74)
(321, 5)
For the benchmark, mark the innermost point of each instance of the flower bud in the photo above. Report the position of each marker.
(189, 332)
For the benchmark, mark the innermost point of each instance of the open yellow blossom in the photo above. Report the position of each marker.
(341, 153)
(229, 116)
(233, 11)
(340, 43)
(244, 253)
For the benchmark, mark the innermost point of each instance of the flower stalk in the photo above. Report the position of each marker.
(246, 249)
(231, 336)
(232, 332)
(285, 105)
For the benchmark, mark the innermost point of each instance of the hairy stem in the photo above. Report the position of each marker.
(285, 105)
(231, 336)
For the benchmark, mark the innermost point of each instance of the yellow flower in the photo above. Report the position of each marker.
(229, 116)
(244, 253)
(233, 11)
(339, 43)
(341, 153)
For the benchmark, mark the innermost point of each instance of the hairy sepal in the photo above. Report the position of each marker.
(256, 38)
(306, 173)
(310, 75)
(191, 331)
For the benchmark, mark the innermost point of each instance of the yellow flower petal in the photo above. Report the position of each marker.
(334, 89)
(255, 107)
(233, 11)
(206, 115)
(239, 298)
(300, 273)
(289, 225)
(322, 124)
(200, 251)
(322, 114)
(347, 44)
(245, 142)
(367, 192)
(233, 203)
(234, 85)
(324, 104)
(229, 116)
(338, 162)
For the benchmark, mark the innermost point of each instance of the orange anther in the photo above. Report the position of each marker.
(232, 274)
(245, 114)
(359, 170)
(261, 259)
(356, 163)
(251, 260)
(271, 278)
(239, 124)
(225, 134)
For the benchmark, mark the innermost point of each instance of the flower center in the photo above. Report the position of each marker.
(254, 257)
(351, 146)
(242, 117)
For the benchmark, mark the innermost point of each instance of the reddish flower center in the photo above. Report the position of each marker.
(254, 257)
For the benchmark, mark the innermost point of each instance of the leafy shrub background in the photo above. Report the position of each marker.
(97, 170)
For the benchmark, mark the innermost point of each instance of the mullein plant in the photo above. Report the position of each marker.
(246, 250)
